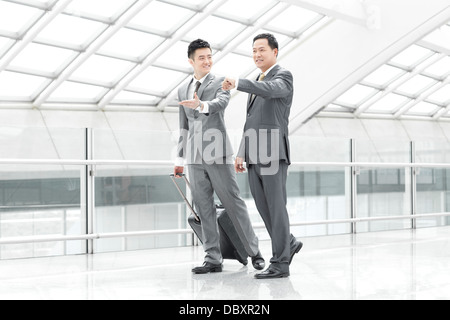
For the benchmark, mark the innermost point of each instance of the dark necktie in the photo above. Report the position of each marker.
(197, 86)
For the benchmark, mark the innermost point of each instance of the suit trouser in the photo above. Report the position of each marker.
(269, 192)
(221, 178)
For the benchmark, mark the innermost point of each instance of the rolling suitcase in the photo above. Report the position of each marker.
(231, 245)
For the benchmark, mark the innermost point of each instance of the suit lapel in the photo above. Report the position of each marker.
(268, 77)
(186, 90)
(251, 99)
(204, 85)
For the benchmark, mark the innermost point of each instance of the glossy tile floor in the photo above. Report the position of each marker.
(384, 265)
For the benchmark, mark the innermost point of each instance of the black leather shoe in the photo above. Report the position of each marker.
(208, 268)
(295, 249)
(258, 262)
(272, 274)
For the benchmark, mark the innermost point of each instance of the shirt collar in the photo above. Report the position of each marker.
(270, 69)
(201, 80)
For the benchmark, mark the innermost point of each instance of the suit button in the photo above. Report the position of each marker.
(248, 115)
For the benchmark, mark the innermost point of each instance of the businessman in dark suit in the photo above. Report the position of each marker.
(205, 148)
(265, 149)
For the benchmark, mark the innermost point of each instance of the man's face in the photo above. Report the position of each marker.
(202, 62)
(263, 55)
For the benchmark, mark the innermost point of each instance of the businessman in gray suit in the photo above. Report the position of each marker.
(265, 149)
(205, 147)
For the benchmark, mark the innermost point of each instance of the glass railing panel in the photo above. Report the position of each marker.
(383, 193)
(433, 184)
(318, 194)
(41, 201)
(134, 199)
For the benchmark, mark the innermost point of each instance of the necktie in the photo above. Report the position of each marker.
(197, 86)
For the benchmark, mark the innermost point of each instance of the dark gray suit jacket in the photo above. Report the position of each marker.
(266, 132)
(204, 136)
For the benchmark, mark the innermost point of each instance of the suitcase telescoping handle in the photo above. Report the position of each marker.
(183, 195)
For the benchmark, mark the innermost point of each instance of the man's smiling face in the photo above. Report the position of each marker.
(263, 55)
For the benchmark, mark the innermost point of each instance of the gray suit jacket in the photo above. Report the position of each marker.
(266, 136)
(204, 136)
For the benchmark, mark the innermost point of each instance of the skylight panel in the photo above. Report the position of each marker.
(389, 103)
(43, 58)
(416, 85)
(71, 31)
(131, 44)
(15, 18)
(216, 31)
(102, 69)
(19, 87)
(248, 9)
(156, 80)
(412, 56)
(161, 17)
(383, 75)
(293, 19)
(356, 95)
(176, 56)
(77, 93)
(441, 96)
(423, 108)
(109, 9)
(440, 37)
(440, 68)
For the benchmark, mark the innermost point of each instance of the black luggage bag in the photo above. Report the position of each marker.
(231, 245)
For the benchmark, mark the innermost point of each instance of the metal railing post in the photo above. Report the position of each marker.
(353, 185)
(90, 188)
(414, 172)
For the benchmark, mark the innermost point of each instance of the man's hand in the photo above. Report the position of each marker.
(229, 84)
(178, 171)
(239, 165)
(192, 104)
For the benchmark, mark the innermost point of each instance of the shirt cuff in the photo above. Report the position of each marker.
(179, 162)
(205, 108)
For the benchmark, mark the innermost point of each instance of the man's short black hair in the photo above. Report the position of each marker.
(273, 43)
(195, 45)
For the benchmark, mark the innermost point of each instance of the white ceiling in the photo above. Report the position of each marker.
(415, 83)
(132, 54)
(123, 54)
